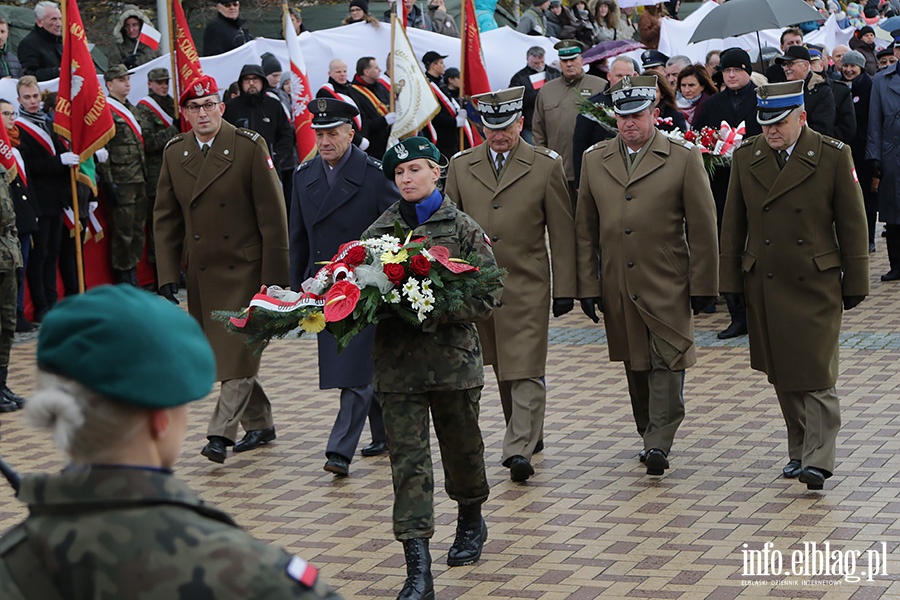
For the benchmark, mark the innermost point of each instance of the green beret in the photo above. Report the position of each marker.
(115, 72)
(129, 345)
(407, 150)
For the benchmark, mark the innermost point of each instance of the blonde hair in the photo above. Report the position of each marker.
(85, 425)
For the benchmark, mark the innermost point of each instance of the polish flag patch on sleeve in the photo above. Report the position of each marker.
(302, 572)
(487, 240)
(855, 178)
(270, 163)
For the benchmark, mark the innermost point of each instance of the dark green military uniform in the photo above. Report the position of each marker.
(437, 367)
(127, 169)
(10, 260)
(121, 532)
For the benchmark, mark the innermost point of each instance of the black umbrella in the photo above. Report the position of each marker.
(737, 17)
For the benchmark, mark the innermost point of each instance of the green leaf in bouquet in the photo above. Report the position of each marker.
(435, 278)
(398, 231)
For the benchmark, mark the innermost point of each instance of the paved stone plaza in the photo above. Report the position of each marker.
(590, 524)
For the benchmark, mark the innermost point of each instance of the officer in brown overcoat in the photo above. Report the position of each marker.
(646, 221)
(518, 194)
(220, 211)
(794, 242)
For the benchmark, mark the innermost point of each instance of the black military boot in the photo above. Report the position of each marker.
(7, 394)
(471, 534)
(893, 248)
(737, 308)
(419, 582)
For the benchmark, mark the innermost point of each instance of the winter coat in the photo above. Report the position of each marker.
(819, 101)
(794, 242)
(224, 34)
(9, 63)
(40, 53)
(884, 140)
(867, 50)
(523, 78)
(126, 51)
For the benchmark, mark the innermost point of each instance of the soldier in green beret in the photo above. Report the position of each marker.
(116, 518)
(434, 367)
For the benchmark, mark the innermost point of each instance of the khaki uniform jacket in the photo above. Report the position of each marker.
(224, 217)
(530, 200)
(653, 236)
(794, 241)
(555, 111)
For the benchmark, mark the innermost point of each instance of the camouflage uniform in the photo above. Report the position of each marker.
(10, 260)
(120, 532)
(438, 366)
(127, 212)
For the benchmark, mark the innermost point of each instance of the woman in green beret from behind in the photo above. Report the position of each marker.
(117, 367)
(434, 367)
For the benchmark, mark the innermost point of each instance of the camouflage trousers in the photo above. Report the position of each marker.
(455, 414)
(127, 218)
(8, 292)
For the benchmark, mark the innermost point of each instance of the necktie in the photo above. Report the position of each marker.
(781, 156)
(499, 164)
(204, 149)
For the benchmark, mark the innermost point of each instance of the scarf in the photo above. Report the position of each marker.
(416, 213)
(13, 136)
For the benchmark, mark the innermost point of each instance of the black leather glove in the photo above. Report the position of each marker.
(562, 305)
(852, 301)
(130, 61)
(591, 306)
(875, 165)
(168, 292)
(110, 192)
(698, 303)
(735, 299)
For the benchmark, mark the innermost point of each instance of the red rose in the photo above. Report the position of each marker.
(420, 265)
(395, 273)
(356, 256)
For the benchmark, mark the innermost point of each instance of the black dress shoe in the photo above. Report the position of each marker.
(255, 439)
(892, 275)
(519, 468)
(656, 462)
(792, 469)
(338, 465)
(23, 325)
(813, 478)
(642, 456)
(7, 406)
(539, 447)
(13, 397)
(374, 449)
(736, 329)
(871, 247)
(215, 450)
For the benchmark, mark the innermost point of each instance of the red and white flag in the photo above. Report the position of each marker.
(474, 72)
(7, 158)
(301, 94)
(538, 80)
(149, 36)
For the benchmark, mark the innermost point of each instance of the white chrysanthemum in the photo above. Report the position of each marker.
(410, 286)
(426, 285)
(393, 297)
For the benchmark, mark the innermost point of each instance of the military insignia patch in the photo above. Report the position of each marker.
(270, 163)
(321, 105)
(301, 571)
(401, 151)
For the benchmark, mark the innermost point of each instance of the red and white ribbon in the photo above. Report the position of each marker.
(729, 137)
(38, 133)
(157, 110)
(126, 115)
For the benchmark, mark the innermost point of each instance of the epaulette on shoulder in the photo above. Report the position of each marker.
(374, 162)
(597, 146)
(830, 141)
(747, 141)
(177, 138)
(547, 152)
(463, 152)
(248, 133)
(680, 143)
(304, 165)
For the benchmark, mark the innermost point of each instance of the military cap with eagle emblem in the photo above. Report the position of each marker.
(775, 101)
(500, 109)
(330, 112)
(569, 49)
(633, 94)
(200, 87)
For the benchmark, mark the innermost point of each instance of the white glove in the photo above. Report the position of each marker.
(461, 117)
(363, 144)
(102, 155)
(390, 118)
(69, 159)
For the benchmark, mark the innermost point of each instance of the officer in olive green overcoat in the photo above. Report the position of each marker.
(518, 194)
(220, 211)
(794, 242)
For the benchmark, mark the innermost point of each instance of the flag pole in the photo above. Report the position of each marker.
(79, 260)
(393, 74)
(173, 33)
(462, 72)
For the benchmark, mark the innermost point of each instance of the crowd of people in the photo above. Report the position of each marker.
(640, 233)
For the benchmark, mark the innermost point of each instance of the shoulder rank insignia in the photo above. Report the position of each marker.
(177, 138)
(304, 165)
(547, 151)
(836, 143)
(371, 160)
(248, 133)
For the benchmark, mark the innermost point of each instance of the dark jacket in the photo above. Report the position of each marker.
(321, 219)
(861, 94)
(867, 50)
(522, 78)
(26, 215)
(265, 115)
(820, 107)
(844, 113)
(48, 178)
(589, 131)
(40, 53)
(224, 34)
(881, 143)
(9, 63)
(444, 124)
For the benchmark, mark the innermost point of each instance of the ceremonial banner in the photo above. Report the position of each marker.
(187, 60)
(475, 77)
(301, 95)
(7, 158)
(414, 101)
(82, 114)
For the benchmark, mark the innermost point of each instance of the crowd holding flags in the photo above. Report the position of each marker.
(301, 95)
(82, 115)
